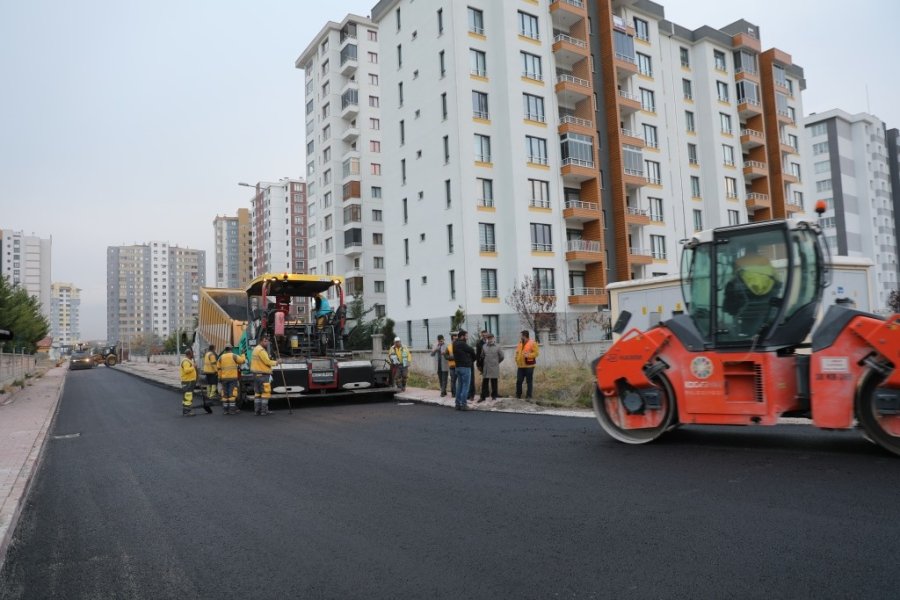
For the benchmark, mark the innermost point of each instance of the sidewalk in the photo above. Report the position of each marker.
(25, 420)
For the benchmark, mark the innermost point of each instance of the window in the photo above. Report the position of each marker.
(408, 293)
(482, 148)
(540, 193)
(478, 62)
(476, 21)
(372, 35)
(534, 107)
(793, 141)
(403, 171)
(543, 282)
(486, 189)
(537, 149)
(374, 123)
(688, 89)
(373, 101)
(373, 79)
(731, 187)
(440, 20)
(719, 60)
(658, 246)
(452, 284)
(373, 58)
(822, 167)
(531, 66)
(376, 192)
(447, 195)
(698, 219)
(375, 169)
(326, 110)
(798, 198)
(442, 64)
(685, 57)
(377, 239)
(728, 155)
(689, 121)
(326, 133)
(446, 149)
(725, 123)
(734, 217)
(645, 64)
(406, 251)
(795, 170)
(449, 239)
(528, 26)
(405, 205)
(399, 56)
(480, 105)
(374, 146)
(400, 93)
(722, 90)
(692, 154)
(650, 137)
(656, 209)
(541, 239)
(695, 186)
(641, 29)
(648, 100)
(486, 240)
(818, 129)
(632, 157)
(747, 92)
(488, 283)
(577, 148)
(653, 172)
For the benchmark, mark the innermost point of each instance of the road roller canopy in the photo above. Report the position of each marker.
(293, 284)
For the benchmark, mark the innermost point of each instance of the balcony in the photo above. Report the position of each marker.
(749, 73)
(757, 201)
(632, 138)
(349, 110)
(351, 190)
(748, 107)
(569, 50)
(583, 251)
(350, 134)
(790, 177)
(354, 248)
(636, 216)
(572, 124)
(640, 256)
(784, 116)
(566, 13)
(754, 169)
(751, 138)
(572, 89)
(787, 148)
(581, 212)
(634, 178)
(349, 64)
(577, 170)
(586, 295)
(793, 208)
(626, 66)
(628, 102)
(745, 40)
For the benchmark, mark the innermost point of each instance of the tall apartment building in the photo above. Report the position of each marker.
(851, 171)
(278, 227)
(65, 303)
(234, 250)
(152, 289)
(892, 141)
(575, 143)
(344, 158)
(25, 261)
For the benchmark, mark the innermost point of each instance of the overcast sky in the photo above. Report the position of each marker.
(131, 121)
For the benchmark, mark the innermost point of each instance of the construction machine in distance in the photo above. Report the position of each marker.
(312, 360)
(742, 354)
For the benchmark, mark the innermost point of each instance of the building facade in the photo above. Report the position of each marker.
(152, 290)
(278, 227)
(25, 261)
(344, 157)
(851, 171)
(65, 304)
(234, 250)
(574, 143)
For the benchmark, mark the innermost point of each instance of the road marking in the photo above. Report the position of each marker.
(66, 436)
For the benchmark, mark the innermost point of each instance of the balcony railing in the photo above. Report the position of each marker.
(538, 160)
(486, 202)
(751, 101)
(639, 252)
(570, 120)
(752, 133)
(488, 248)
(634, 172)
(586, 291)
(582, 246)
(626, 58)
(572, 79)
(538, 203)
(481, 114)
(577, 162)
(754, 164)
(629, 96)
(575, 3)
(756, 196)
(638, 212)
(630, 133)
(578, 204)
(541, 247)
(488, 293)
(538, 118)
(561, 37)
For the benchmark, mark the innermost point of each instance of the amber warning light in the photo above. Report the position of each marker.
(820, 207)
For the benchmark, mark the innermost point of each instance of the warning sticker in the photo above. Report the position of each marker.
(839, 364)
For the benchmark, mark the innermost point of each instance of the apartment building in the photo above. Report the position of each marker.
(892, 141)
(234, 250)
(25, 261)
(346, 154)
(152, 289)
(278, 226)
(65, 304)
(851, 171)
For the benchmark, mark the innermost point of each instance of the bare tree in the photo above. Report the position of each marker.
(536, 306)
(894, 301)
(589, 320)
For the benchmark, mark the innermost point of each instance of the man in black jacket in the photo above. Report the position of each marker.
(465, 360)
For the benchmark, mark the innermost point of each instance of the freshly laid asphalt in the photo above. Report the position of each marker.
(380, 499)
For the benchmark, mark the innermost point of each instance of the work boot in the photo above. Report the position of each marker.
(187, 412)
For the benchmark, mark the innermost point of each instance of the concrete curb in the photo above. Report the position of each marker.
(156, 382)
(25, 479)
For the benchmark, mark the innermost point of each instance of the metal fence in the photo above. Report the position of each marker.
(14, 366)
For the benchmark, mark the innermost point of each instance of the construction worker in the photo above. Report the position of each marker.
(261, 367)
(210, 372)
(451, 363)
(228, 365)
(321, 310)
(400, 359)
(188, 381)
(526, 358)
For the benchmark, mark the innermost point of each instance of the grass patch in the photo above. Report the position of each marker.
(554, 387)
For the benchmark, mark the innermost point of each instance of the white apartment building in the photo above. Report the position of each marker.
(234, 251)
(152, 289)
(346, 154)
(25, 261)
(278, 226)
(851, 172)
(65, 303)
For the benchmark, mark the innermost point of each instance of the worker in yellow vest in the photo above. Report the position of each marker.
(451, 363)
(229, 366)
(188, 381)
(261, 367)
(210, 372)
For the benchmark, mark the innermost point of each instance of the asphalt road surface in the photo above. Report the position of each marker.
(380, 500)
